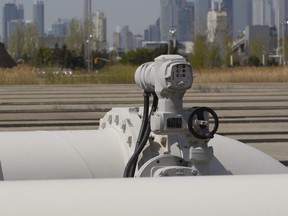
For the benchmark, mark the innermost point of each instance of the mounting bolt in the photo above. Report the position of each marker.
(195, 173)
(117, 120)
(110, 119)
(103, 125)
(123, 127)
(129, 140)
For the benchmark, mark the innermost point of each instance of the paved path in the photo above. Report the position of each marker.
(256, 114)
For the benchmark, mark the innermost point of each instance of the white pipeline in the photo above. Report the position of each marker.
(227, 195)
(61, 155)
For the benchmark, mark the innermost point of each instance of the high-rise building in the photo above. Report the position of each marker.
(228, 6)
(242, 16)
(217, 26)
(38, 16)
(11, 12)
(263, 12)
(186, 22)
(138, 39)
(123, 38)
(87, 9)
(169, 16)
(60, 28)
(13, 25)
(20, 11)
(176, 15)
(202, 7)
(152, 33)
(281, 14)
(100, 33)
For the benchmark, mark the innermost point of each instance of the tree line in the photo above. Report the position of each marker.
(24, 44)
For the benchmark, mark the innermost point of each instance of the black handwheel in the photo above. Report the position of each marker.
(197, 121)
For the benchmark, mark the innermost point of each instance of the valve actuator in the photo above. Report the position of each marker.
(169, 76)
(151, 141)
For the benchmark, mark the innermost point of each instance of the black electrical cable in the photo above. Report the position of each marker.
(145, 138)
(134, 158)
(143, 135)
(145, 120)
(155, 103)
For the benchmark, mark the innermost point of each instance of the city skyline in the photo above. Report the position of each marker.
(171, 13)
(118, 12)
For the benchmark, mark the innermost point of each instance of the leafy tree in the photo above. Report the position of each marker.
(138, 56)
(254, 61)
(23, 42)
(31, 40)
(286, 49)
(56, 56)
(43, 57)
(163, 49)
(227, 51)
(76, 61)
(75, 39)
(200, 56)
(255, 48)
(214, 56)
(272, 62)
(16, 41)
(142, 55)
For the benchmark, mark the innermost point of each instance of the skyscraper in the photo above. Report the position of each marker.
(217, 26)
(87, 9)
(242, 15)
(178, 15)
(202, 8)
(279, 7)
(60, 28)
(152, 33)
(228, 6)
(263, 12)
(186, 22)
(38, 16)
(20, 12)
(100, 30)
(123, 38)
(10, 12)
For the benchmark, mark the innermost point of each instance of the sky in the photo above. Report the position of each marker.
(138, 14)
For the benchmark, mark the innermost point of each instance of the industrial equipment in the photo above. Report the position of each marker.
(160, 139)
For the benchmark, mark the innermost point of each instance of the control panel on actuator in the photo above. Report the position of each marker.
(179, 77)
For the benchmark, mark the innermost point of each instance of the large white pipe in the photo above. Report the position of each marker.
(236, 158)
(227, 195)
(61, 155)
(102, 154)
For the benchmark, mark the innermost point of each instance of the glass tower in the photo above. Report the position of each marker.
(176, 15)
(202, 8)
(10, 12)
(38, 16)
